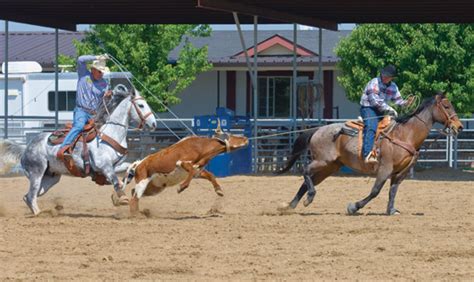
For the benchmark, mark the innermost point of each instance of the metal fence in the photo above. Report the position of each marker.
(273, 147)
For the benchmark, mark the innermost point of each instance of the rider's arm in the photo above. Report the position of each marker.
(82, 64)
(397, 97)
(372, 91)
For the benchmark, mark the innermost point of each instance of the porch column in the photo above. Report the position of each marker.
(5, 114)
(328, 94)
(56, 79)
(231, 92)
(255, 91)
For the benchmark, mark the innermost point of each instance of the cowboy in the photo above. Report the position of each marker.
(91, 88)
(377, 93)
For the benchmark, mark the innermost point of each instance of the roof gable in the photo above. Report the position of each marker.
(277, 45)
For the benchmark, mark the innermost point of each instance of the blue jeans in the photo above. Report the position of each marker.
(80, 119)
(371, 121)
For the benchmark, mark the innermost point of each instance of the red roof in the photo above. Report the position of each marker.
(277, 40)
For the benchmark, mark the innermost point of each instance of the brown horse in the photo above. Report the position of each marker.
(398, 152)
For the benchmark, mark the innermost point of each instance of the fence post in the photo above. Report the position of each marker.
(449, 151)
(455, 157)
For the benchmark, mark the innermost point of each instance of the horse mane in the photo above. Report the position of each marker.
(427, 102)
(110, 105)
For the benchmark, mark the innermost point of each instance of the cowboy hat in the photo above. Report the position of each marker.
(100, 66)
(389, 71)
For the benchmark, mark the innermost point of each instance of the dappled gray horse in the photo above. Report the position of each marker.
(398, 152)
(44, 170)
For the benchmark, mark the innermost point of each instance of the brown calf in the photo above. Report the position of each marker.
(180, 162)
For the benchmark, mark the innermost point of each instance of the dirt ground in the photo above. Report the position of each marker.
(198, 236)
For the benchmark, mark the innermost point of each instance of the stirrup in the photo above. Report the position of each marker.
(370, 159)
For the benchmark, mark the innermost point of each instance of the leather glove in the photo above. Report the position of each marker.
(391, 111)
(103, 57)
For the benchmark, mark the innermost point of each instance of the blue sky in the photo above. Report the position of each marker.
(13, 26)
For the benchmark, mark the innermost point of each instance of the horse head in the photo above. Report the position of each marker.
(139, 110)
(444, 113)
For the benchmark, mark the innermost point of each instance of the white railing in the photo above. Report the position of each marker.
(271, 152)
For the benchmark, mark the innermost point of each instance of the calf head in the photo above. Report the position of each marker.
(231, 141)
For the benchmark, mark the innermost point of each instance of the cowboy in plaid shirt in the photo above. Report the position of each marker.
(377, 93)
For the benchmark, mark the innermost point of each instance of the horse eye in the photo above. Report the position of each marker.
(141, 106)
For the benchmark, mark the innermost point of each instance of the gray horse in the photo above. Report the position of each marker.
(398, 152)
(44, 170)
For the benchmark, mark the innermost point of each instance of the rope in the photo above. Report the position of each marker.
(124, 69)
(284, 133)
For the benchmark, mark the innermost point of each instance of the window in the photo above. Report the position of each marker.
(66, 100)
(274, 97)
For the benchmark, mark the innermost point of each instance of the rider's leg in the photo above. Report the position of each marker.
(369, 115)
(80, 119)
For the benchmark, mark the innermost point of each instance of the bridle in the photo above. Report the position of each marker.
(448, 117)
(139, 112)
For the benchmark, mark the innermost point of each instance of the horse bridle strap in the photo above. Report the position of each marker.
(139, 112)
(409, 147)
(114, 144)
(449, 117)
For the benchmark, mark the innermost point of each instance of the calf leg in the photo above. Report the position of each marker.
(191, 173)
(209, 176)
(133, 203)
(137, 193)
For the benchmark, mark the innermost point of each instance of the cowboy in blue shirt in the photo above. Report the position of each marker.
(91, 88)
(377, 93)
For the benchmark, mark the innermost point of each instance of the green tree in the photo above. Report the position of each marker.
(429, 58)
(144, 50)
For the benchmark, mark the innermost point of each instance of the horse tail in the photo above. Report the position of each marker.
(299, 147)
(130, 173)
(10, 155)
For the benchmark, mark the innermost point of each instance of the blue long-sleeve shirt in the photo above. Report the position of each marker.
(377, 94)
(89, 91)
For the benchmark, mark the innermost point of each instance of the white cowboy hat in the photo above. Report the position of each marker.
(100, 66)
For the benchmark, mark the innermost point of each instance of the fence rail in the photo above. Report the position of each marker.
(271, 152)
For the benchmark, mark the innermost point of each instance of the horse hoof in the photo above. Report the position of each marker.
(393, 212)
(283, 207)
(351, 209)
(30, 205)
(121, 200)
(307, 202)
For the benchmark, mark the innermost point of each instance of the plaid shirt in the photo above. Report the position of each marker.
(377, 94)
(89, 91)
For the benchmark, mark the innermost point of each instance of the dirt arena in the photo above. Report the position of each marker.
(199, 236)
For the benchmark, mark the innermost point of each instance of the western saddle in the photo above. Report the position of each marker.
(88, 134)
(355, 127)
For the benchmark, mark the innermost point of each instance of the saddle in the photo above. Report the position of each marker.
(58, 136)
(355, 127)
(88, 133)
